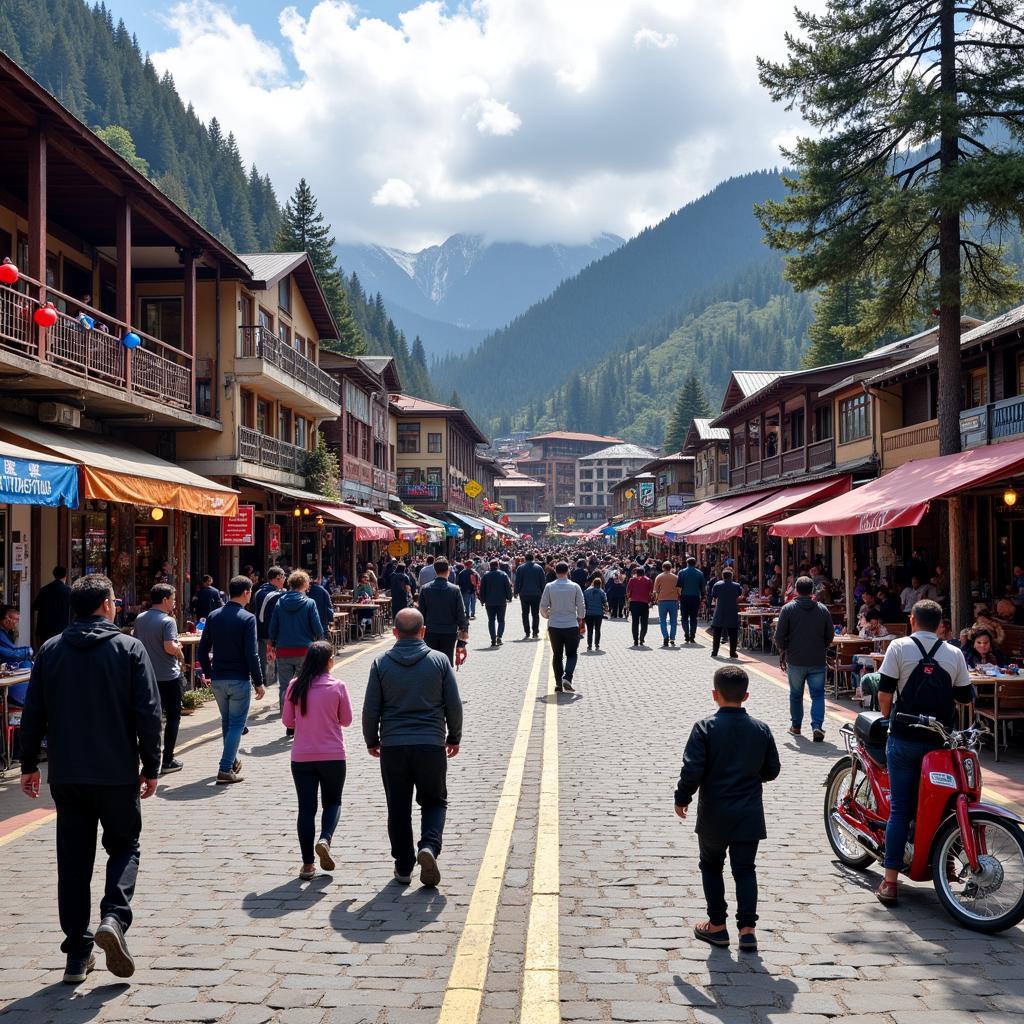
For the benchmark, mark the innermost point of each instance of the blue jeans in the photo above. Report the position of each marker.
(815, 679)
(903, 758)
(233, 698)
(668, 610)
(469, 600)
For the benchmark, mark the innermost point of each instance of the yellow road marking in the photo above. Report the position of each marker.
(540, 1004)
(189, 745)
(465, 991)
(988, 793)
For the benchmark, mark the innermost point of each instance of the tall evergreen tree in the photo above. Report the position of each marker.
(904, 177)
(836, 316)
(691, 404)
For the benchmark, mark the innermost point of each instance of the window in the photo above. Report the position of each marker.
(204, 403)
(599, 472)
(300, 345)
(614, 474)
(434, 443)
(408, 438)
(262, 416)
(284, 294)
(975, 388)
(266, 320)
(586, 474)
(822, 422)
(284, 424)
(854, 421)
(796, 429)
(161, 317)
(301, 432)
(284, 332)
(364, 441)
(351, 435)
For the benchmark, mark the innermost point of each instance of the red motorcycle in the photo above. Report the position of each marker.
(973, 852)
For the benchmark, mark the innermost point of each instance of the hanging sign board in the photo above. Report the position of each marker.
(274, 538)
(239, 530)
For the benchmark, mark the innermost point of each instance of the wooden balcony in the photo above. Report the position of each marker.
(820, 456)
(989, 424)
(919, 441)
(72, 355)
(282, 372)
(271, 452)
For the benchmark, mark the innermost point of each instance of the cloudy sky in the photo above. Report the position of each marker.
(529, 120)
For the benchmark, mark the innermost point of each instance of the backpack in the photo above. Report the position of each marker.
(928, 691)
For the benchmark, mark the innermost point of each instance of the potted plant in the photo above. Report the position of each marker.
(190, 700)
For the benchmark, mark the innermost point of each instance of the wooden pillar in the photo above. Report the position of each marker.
(807, 430)
(188, 327)
(123, 312)
(851, 621)
(760, 547)
(784, 562)
(959, 592)
(37, 222)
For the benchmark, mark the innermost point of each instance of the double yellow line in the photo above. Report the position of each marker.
(467, 981)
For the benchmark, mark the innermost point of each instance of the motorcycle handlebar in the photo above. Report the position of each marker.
(915, 719)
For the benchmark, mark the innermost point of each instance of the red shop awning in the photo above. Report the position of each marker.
(366, 529)
(901, 498)
(708, 512)
(768, 508)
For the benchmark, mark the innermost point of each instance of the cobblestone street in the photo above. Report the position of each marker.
(569, 888)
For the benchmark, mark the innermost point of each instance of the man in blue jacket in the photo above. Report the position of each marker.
(530, 582)
(294, 624)
(692, 587)
(234, 671)
(412, 721)
(321, 597)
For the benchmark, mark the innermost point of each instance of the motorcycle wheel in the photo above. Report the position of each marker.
(836, 787)
(992, 900)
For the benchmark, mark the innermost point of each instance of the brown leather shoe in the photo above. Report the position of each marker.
(226, 778)
(888, 893)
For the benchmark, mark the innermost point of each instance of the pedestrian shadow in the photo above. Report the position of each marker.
(65, 1004)
(392, 911)
(268, 749)
(593, 654)
(806, 745)
(290, 897)
(204, 789)
(560, 698)
(746, 970)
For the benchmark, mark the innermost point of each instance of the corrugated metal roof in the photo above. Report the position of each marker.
(265, 266)
(706, 432)
(620, 451)
(751, 381)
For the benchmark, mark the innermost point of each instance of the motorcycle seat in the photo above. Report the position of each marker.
(872, 730)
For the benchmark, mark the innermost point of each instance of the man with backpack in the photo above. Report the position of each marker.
(467, 580)
(921, 675)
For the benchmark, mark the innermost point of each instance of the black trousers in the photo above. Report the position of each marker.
(443, 642)
(81, 809)
(639, 613)
(423, 769)
(565, 645)
(741, 860)
(716, 639)
(615, 606)
(325, 779)
(496, 619)
(594, 629)
(530, 607)
(170, 701)
(689, 606)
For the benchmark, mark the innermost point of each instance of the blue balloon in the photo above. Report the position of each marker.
(131, 340)
(86, 321)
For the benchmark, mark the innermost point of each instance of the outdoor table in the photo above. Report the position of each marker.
(187, 641)
(751, 614)
(6, 682)
(340, 623)
(354, 606)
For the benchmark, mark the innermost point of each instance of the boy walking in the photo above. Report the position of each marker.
(728, 757)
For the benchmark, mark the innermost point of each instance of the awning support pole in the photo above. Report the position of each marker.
(760, 553)
(784, 563)
(851, 622)
(959, 598)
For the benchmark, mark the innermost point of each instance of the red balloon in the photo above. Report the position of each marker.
(8, 272)
(45, 316)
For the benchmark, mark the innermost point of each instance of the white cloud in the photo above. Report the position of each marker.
(395, 192)
(537, 120)
(657, 40)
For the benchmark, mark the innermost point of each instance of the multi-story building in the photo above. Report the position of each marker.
(599, 471)
(708, 446)
(673, 481)
(522, 502)
(552, 460)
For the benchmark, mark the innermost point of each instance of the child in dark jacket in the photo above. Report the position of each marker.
(728, 757)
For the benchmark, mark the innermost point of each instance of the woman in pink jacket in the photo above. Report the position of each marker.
(317, 707)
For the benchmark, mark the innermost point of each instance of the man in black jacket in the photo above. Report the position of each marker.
(52, 607)
(529, 585)
(206, 599)
(444, 613)
(728, 757)
(94, 696)
(262, 606)
(495, 592)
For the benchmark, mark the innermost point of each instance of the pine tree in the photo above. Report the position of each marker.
(455, 401)
(120, 141)
(901, 96)
(837, 311)
(691, 404)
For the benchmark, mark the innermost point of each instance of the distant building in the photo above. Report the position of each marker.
(552, 460)
(673, 482)
(598, 472)
(522, 501)
(709, 448)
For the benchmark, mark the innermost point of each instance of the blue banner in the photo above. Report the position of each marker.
(26, 482)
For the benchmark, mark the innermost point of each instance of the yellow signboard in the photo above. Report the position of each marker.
(397, 548)
(473, 489)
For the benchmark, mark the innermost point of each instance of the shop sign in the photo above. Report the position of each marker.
(274, 538)
(19, 552)
(24, 482)
(675, 503)
(473, 489)
(239, 530)
(646, 493)
(397, 548)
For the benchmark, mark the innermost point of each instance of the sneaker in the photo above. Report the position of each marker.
(77, 968)
(526, 636)
(237, 767)
(793, 731)
(110, 938)
(171, 767)
(307, 874)
(289, 732)
(589, 647)
(567, 686)
(323, 851)
(597, 647)
(228, 778)
(558, 687)
(818, 735)
(664, 643)
(494, 643)
(430, 874)
(402, 879)
(498, 641)
(536, 636)
(245, 731)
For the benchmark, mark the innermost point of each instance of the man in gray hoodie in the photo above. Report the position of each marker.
(803, 635)
(412, 721)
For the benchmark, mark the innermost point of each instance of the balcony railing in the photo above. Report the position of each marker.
(419, 490)
(154, 368)
(820, 455)
(260, 343)
(918, 441)
(271, 452)
(996, 421)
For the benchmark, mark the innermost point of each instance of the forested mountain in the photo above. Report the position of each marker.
(636, 296)
(453, 291)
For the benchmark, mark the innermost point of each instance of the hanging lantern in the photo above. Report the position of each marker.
(297, 512)
(156, 514)
(306, 512)
(45, 316)
(9, 273)
(1009, 497)
(131, 340)
(476, 536)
